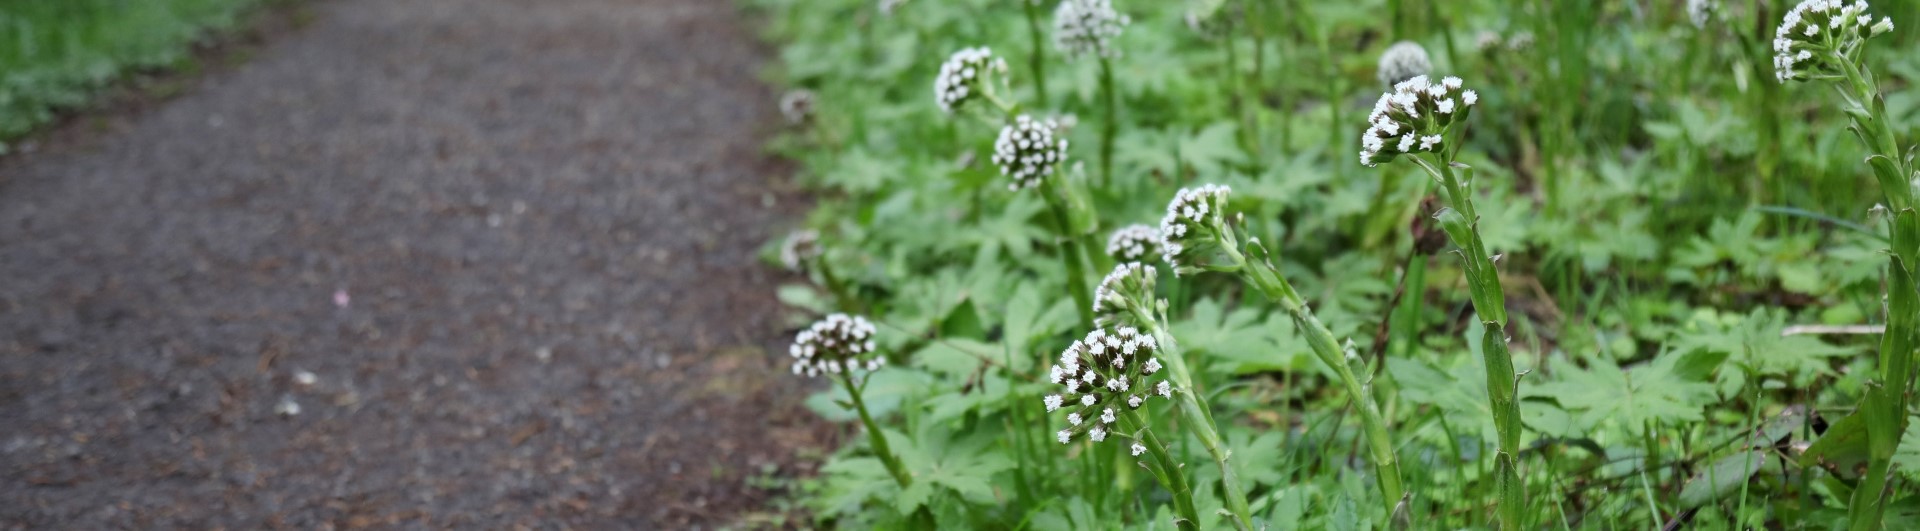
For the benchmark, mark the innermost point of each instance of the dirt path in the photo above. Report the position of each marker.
(511, 243)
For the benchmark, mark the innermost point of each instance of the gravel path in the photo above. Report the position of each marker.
(497, 253)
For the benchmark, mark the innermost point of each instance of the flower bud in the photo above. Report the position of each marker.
(800, 247)
(1102, 373)
(835, 344)
(1087, 27)
(1815, 35)
(1194, 227)
(1403, 61)
(966, 77)
(1414, 118)
(1134, 243)
(1028, 150)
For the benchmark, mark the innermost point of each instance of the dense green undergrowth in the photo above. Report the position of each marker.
(1691, 268)
(56, 54)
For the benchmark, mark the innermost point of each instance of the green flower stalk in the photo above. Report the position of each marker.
(841, 347)
(1030, 152)
(1125, 303)
(1088, 27)
(1825, 40)
(1037, 59)
(1417, 120)
(1196, 237)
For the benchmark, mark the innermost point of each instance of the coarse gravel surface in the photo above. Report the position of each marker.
(475, 264)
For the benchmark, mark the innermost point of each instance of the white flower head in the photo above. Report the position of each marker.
(1700, 12)
(1816, 35)
(797, 106)
(838, 343)
(1028, 150)
(1402, 61)
(800, 247)
(1414, 117)
(1087, 27)
(1520, 41)
(1137, 449)
(1103, 402)
(1487, 41)
(967, 77)
(1194, 227)
(1124, 294)
(1138, 242)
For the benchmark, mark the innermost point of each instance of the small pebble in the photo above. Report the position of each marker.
(287, 407)
(305, 378)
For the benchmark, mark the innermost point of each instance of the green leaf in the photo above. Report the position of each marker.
(1907, 458)
(1629, 398)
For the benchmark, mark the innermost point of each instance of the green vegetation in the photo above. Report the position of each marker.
(56, 54)
(1610, 265)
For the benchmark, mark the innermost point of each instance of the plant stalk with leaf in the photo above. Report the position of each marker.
(1196, 237)
(1088, 27)
(1417, 120)
(842, 347)
(1825, 41)
(1126, 300)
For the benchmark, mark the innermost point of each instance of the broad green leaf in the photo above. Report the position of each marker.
(1629, 398)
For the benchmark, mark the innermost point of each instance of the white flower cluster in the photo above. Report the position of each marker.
(797, 105)
(1134, 243)
(1413, 118)
(1192, 225)
(1125, 293)
(800, 247)
(1100, 373)
(1699, 12)
(834, 345)
(1028, 150)
(1817, 31)
(965, 77)
(1087, 27)
(1403, 61)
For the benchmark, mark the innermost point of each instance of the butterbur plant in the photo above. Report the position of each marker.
(1196, 237)
(1417, 122)
(1824, 40)
(841, 347)
(1028, 151)
(1125, 303)
(1084, 28)
(1107, 380)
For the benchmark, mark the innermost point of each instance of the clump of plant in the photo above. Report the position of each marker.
(841, 347)
(1125, 302)
(1196, 237)
(1422, 121)
(1825, 40)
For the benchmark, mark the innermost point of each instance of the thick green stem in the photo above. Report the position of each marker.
(1167, 470)
(1265, 278)
(874, 437)
(1073, 256)
(1112, 123)
(1195, 407)
(1885, 403)
(1036, 59)
(1462, 227)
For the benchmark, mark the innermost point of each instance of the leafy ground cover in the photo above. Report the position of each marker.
(1620, 264)
(58, 53)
